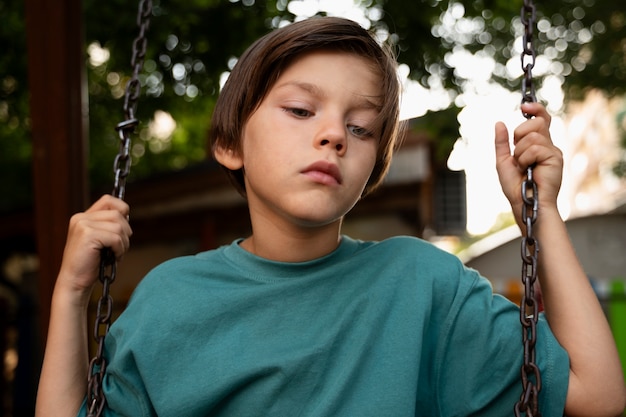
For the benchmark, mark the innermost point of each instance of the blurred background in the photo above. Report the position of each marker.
(64, 65)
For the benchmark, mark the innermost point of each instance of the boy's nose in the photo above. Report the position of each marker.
(337, 144)
(333, 135)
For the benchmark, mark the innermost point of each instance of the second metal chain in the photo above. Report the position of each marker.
(121, 168)
(528, 403)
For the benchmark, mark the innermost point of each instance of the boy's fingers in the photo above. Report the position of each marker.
(108, 202)
(503, 149)
(536, 110)
(540, 122)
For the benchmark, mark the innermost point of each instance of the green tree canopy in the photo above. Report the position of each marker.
(192, 43)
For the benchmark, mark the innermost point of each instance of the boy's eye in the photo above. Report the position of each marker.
(298, 112)
(360, 131)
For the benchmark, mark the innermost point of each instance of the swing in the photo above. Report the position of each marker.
(121, 168)
(529, 307)
(530, 374)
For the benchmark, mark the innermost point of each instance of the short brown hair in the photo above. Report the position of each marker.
(263, 62)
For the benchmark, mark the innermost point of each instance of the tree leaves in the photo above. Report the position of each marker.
(192, 43)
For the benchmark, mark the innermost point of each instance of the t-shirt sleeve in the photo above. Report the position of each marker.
(123, 383)
(480, 354)
(122, 389)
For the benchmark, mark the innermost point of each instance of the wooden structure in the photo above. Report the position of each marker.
(55, 42)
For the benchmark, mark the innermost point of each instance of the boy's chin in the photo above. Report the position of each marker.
(316, 222)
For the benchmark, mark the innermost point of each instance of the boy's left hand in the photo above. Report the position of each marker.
(532, 146)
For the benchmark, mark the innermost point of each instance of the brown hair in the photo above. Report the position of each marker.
(262, 63)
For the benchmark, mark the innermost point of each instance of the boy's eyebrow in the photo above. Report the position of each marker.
(367, 102)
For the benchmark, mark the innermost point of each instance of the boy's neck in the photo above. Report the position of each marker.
(298, 245)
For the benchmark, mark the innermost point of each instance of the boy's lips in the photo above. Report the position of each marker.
(324, 172)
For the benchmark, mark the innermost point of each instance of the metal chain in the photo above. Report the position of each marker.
(121, 168)
(528, 403)
(528, 56)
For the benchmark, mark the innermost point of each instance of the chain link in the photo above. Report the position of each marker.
(528, 403)
(121, 168)
(528, 56)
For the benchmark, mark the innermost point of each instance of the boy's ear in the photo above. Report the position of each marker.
(228, 158)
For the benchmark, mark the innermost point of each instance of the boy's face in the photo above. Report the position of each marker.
(310, 147)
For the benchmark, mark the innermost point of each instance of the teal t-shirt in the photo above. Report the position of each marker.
(392, 328)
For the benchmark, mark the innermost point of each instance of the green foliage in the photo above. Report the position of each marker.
(15, 145)
(599, 63)
(585, 38)
(191, 43)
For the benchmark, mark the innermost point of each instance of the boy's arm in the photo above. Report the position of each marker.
(596, 385)
(63, 381)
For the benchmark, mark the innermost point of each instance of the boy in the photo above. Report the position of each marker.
(298, 320)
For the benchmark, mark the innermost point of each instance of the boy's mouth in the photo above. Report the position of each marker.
(324, 172)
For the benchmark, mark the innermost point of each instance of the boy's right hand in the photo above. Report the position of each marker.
(104, 224)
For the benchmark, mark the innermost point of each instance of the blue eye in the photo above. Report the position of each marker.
(360, 131)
